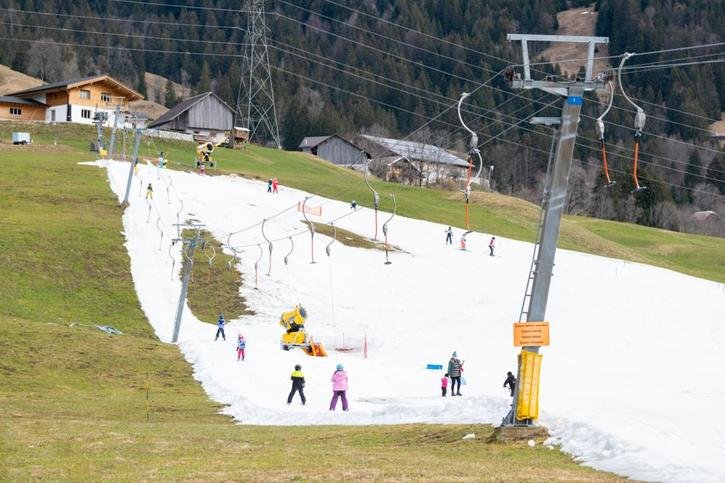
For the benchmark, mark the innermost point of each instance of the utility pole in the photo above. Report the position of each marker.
(255, 99)
(134, 162)
(190, 245)
(556, 183)
(112, 146)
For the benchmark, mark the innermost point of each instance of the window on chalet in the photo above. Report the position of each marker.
(106, 96)
(85, 113)
(16, 111)
(85, 94)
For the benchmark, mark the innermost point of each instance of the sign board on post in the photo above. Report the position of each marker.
(531, 334)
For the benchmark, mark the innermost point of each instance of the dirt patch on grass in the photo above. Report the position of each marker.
(14, 81)
(215, 282)
(351, 239)
(576, 21)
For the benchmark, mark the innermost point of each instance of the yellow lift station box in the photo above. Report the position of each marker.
(528, 403)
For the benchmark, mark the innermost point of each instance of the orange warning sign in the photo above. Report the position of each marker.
(531, 334)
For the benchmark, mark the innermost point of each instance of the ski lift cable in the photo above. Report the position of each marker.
(204, 53)
(277, 68)
(508, 93)
(269, 218)
(405, 43)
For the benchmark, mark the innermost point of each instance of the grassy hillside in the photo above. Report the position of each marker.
(696, 255)
(79, 404)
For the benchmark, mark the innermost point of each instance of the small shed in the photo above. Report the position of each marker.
(202, 116)
(334, 149)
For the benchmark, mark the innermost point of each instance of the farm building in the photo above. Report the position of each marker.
(203, 116)
(334, 149)
(19, 109)
(75, 100)
(412, 162)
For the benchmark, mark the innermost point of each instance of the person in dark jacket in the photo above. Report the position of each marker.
(298, 384)
(449, 236)
(220, 327)
(510, 382)
(455, 367)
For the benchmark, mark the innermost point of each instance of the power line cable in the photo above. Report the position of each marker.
(508, 62)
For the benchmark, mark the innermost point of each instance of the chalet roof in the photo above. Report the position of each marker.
(182, 107)
(314, 141)
(132, 95)
(418, 151)
(20, 100)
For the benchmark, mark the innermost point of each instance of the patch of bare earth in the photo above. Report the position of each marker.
(14, 81)
(156, 88)
(570, 57)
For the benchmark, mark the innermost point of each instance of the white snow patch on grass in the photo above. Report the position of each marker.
(633, 382)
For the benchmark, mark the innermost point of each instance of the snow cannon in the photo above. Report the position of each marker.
(293, 322)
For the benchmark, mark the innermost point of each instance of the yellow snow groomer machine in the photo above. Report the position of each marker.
(295, 335)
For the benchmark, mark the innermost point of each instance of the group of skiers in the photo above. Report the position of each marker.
(339, 377)
(339, 387)
(455, 372)
(449, 241)
(273, 186)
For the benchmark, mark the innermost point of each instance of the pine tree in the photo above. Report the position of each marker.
(169, 95)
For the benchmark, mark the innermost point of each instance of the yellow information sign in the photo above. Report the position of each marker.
(528, 403)
(531, 334)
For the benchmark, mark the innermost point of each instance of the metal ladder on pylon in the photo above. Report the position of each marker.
(523, 314)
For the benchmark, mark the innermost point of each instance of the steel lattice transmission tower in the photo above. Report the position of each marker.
(255, 100)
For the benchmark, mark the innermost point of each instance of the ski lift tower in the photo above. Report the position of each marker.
(552, 207)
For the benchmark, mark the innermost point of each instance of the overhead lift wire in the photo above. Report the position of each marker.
(508, 62)
(518, 95)
(202, 53)
(424, 34)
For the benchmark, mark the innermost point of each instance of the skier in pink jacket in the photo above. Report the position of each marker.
(339, 388)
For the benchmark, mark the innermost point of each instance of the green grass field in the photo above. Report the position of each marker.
(79, 404)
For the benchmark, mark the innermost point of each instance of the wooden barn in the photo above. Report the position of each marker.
(204, 116)
(334, 149)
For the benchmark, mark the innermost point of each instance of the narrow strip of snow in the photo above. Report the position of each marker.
(632, 383)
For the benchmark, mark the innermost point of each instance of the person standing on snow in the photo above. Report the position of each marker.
(449, 236)
(275, 185)
(269, 185)
(510, 382)
(241, 346)
(298, 385)
(492, 245)
(353, 205)
(149, 192)
(220, 327)
(444, 385)
(339, 388)
(455, 367)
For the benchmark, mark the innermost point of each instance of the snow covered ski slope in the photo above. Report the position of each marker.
(633, 382)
